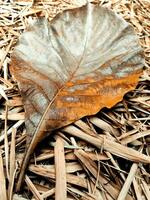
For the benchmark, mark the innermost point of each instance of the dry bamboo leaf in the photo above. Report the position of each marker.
(13, 116)
(71, 167)
(124, 191)
(137, 190)
(33, 188)
(48, 193)
(72, 179)
(3, 194)
(85, 59)
(103, 125)
(6, 145)
(146, 190)
(135, 137)
(45, 155)
(92, 155)
(16, 125)
(60, 170)
(12, 165)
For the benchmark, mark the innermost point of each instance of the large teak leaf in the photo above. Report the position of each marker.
(83, 60)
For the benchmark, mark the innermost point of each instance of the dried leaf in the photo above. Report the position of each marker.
(85, 59)
(3, 192)
(60, 170)
(71, 178)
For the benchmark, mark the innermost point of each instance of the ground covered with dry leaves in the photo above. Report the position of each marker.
(103, 157)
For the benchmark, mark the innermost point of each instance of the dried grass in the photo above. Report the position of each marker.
(104, 157)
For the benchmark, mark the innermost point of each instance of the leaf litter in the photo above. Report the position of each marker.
(127, 120)
(61, 83)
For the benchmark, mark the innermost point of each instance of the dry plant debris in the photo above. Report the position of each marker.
(73, 70)
(90, 148)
